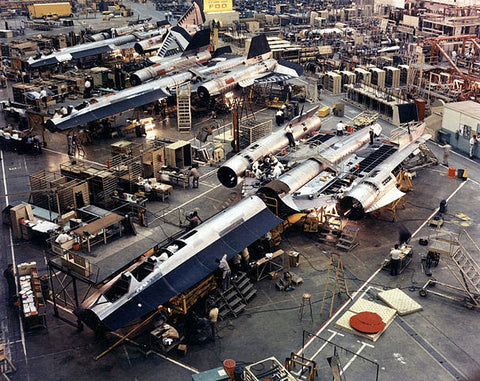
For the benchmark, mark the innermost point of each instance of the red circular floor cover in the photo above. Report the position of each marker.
(367, 322)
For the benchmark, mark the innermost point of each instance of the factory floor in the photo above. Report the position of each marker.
(439, 342)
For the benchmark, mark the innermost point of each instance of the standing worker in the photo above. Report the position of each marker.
(213, 317)
(372, 134)
(472, 142)
(340, 128)
(446, 153)
(289, 134)
(395, 260)
(69, 144)
(195, 174)
(12, 287)
(226, 272)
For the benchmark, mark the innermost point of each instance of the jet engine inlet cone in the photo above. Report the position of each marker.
(227, 177)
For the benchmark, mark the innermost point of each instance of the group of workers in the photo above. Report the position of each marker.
(11, 141)
(268, 168)
(474, 140)
(286, 112)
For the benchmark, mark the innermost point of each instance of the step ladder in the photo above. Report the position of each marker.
(335, 264)
(244, 287)
(469, 273)
(230, 302)
(467, 276)
(184, 110)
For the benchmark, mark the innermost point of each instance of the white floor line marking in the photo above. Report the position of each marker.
(355, 355)
(185, 366)
(322, 347)
(334, 333)
(186, 203)
(370, 278)
(473, 181)
(436, 210)
(341, 308)
(12, 251)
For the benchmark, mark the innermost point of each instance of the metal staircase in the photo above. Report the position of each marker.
(184, 113)
(234, 300)
(348, 238)
(229, 303)
(467, 276)
(244, 287)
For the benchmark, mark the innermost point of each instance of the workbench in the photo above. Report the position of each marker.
(98, 228)
(160, 189)
(175, 177)
(266, 265)
(405, 258)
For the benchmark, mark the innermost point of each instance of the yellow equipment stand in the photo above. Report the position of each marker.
(338, 267)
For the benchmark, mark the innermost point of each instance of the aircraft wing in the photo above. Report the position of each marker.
(102, 108)
(392, 195)
(271, 77)
(48, 60)
(284, 71)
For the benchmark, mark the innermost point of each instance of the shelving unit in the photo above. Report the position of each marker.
(363, 76)
(332, 82)
(179, 154)
(392, 78)
(404, 69)
(377, 77)
(33, 305)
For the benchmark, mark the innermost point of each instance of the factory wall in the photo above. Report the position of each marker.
(459, 127)
(225, 18)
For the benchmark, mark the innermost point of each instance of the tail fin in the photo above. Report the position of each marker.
(200, 40)
(258, 46)
(223, 50)
(193, 16)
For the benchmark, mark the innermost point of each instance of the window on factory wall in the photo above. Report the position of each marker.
(465, 131)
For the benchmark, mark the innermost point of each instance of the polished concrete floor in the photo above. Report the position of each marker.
(440, 342)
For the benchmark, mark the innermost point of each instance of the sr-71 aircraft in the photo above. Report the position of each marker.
(258, 67)
(195, 53)
(157, 89)
(193, 15)
(321, 179)
(177, 38)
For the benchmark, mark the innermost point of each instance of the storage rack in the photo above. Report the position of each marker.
(332, 82)
(404, 69)
(33, 304)
(251, 130)
(392, 78)
(377, 77)
(363, 76)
